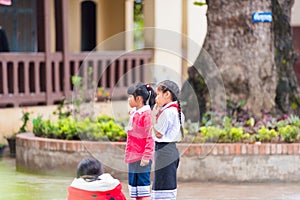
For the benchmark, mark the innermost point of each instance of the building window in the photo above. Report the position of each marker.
(88, 25)
(19, 23)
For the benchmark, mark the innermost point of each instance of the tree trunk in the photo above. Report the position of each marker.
(287, 92)
(250, 55)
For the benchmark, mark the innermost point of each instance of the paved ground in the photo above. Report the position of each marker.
(217, 191)
(20, 186)
(238, 191)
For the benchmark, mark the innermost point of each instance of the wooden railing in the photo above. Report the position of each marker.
(25, 79)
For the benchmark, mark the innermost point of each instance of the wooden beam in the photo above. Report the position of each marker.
(47, 41)
(66, 51)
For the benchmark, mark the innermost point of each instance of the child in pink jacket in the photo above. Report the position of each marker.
(140, 144)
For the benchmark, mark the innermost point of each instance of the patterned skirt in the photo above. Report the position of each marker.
(139, 179)
(165, 174)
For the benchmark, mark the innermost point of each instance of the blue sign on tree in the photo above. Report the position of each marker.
(262, 16)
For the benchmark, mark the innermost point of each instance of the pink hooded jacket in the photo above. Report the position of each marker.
(140, 144)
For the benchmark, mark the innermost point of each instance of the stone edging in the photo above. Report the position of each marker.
(29, 140)
(200, 149)
(241, 149)
(201, 162)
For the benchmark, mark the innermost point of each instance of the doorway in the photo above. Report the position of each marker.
(88, 25)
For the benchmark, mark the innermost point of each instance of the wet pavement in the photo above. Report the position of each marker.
(226, 191)
(218, 191)
(16, 186)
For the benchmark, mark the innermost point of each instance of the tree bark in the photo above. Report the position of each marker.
(250, 55)
(287, 91)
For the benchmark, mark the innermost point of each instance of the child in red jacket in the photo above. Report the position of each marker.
(91, 183)
(140, 144)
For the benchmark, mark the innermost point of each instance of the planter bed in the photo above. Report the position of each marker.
(234, 162)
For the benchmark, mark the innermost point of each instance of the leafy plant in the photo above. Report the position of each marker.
(102, 93)
(237, 124)
(212, 118)
(103, 128)
(229, 135)
(235, 109)
(265, 135)
(236, 135)
(25, 119)
(191, 128)
(212, 134)
(23, 128)
(289, 133)
(199, 3)
(39, 126)
(62, 111)
(293, 120)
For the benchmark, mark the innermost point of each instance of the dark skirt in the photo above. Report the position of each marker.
(165, 174)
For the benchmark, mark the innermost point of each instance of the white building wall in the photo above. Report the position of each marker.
(196, 30)
(168, 37)
(295, 20)
(168, 25)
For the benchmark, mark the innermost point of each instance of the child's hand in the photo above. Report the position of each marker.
(144, 162)
(158, 135)
(153, 114)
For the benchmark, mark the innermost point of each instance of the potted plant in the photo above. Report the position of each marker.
(11, 140)
(2, 147)
(103, 94)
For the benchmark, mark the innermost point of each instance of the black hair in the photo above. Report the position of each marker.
(145, 91)
(173, 88)
(89, 169)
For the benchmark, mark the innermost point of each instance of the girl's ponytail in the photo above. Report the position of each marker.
(179, 115)
(152, 95)
(143, 90)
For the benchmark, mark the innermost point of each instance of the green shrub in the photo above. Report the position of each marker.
(265, 135)
(103, 128)
(228, 135)
(237, 124)
(289, 133)
(236, 135)
(212, 134)
(293, 120)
